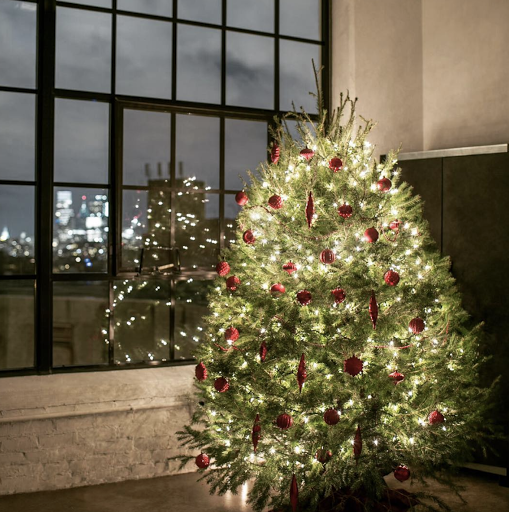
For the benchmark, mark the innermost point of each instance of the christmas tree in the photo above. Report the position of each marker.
(336, 349)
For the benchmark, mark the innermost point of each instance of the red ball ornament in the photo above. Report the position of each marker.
(263, 351)
(232, 283)
(331, 417)
(202, 461)
(345, 211)
(301, 372)
(416, 325)
(222, 268)
(304, 297)
(401, 473)
(327, 257)
(231, 334)
(339, 295)
(323, 456)
(396, 377)
(241, 198)
(371, 235)
(201, 371)
(249, 237)
(353, 366)
(394, 225)
(289, 267)
(307, 153)
(221, 385)
(276, 290)
(391, 278)
(335, 164)
(435, 417)
(274, 154)
(276, 202)
(384, 185)
(284, 421)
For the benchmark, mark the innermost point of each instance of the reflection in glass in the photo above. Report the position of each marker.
(95, 3)
(231, 210)
(190, 310)
(155, 7)
(300, 18)
(257, 15)
(81, 141)
(245, 148)
(80, 230)
(197, 229)
(141, 316)
(17, 321)
(146, 146)
(249, 70)
(199, 64)
(17, 240)
(197, 152)
(17, 43)
(134, 227)
(297, 79)
(144, 57)
(208, 11)
(17, 136)
(83, 50)
(80, 323)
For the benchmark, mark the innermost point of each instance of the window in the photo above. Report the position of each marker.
(126, 128)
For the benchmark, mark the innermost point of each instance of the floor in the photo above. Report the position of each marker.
(183, 494)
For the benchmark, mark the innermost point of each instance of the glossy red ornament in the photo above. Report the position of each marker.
(353, 366)
(276, 202)
(301, 372)
(231, 334)
(327, 257)
(263, 351)
(222, 268)
(289, 267)
(310, 209)
(401, 473)
(357, 443)
(371, 235)
(201, 371)
(416, 325)
(249, 237)
(294, 494)
(221, 385)
(335, 164)
(241, 198)
(435, 417)
(323, 456)
(384, 185)
(339, 295)
(304, 297)
(331, 417)
(284, 421)
(345, 211)
(396, 377)
(277, 290)
(391, 278)
(307, 153)
(256, 433)
(232, 283)
(202, 461)
(394, 225)
(274, 154)
(373, 309)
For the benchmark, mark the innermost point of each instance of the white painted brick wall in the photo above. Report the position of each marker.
(93, 439)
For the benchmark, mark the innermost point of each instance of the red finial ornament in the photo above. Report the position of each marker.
(345, 211)
(231, 334)
(396, 377)
(301, 372)
(241, 198)
(274, 154)
(307, 153)
(263, 351)
(353, 366)
(284, 421)
(335, 164)
(222, 268)
(331, 417)
(201, 371)
(249, 237)
(256, 432)
(416, 325)
(232, 283)
(289, 267)
(310, 209)
(221, 385)
(294, 494)
(391, 278)
(276, 202)
(202, 461)
(357, 443)
(373, 309)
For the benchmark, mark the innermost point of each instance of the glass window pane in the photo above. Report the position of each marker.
(208, 11)
(144, 57)
(142, 320)
(17, 229)
(231, 210)
(83, 53)
(245, 148)
(258, 15)
(146, 146)
(190, 310)
(81, 141)
(300, 18)
(134, 227)
(197, 152)
(80, 323)
(80, 230)
(249, 70)
(17, 136)
(297, 79)
(199, 64)
(18, 28)
(17, 321)
(155, 7)
(95, 3)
